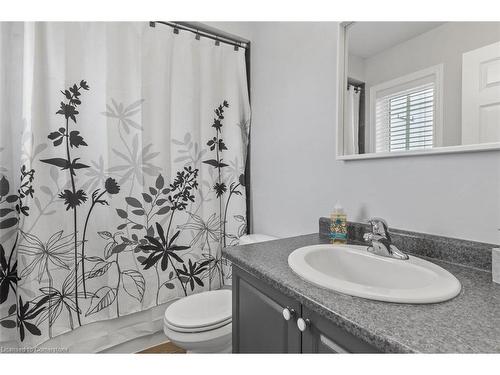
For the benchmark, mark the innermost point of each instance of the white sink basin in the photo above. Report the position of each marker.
(353, 270)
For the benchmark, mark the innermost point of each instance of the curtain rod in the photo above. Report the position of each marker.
(200, 31)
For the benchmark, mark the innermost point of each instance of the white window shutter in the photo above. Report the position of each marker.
(405, 119)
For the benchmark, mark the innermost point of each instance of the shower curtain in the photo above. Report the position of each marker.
(351, 122)
(122, 158)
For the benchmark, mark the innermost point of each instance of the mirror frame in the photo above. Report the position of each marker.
(342, 82)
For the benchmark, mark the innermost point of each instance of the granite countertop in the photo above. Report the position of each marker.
(469, 323)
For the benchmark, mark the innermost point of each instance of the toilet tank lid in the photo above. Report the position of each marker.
(254, 238)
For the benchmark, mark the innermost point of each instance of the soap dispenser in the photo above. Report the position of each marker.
(338, 225)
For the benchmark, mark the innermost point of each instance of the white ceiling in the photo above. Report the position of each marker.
(369, 38)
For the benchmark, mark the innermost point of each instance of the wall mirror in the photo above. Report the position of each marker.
(418, 88)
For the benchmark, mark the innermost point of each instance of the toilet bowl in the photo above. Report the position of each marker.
(201, 323)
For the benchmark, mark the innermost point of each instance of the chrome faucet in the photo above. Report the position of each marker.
(380, 240)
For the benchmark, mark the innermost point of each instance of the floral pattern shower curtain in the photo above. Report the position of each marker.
(122, 160)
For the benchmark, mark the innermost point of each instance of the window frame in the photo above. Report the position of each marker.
(434, 74)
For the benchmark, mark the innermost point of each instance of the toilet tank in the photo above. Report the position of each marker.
(254, 238)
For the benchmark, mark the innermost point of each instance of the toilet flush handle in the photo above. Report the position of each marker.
(288, 313)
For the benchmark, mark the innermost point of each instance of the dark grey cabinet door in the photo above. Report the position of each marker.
(323, 336)
(258, 323)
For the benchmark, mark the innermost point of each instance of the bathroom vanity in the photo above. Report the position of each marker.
(276, 311)
(268, 321)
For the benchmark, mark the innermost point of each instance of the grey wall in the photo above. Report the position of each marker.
(295, 177)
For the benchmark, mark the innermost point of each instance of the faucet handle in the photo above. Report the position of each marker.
(379, 226)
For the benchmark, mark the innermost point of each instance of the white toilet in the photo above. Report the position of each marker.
(254, 238)
(201, 323)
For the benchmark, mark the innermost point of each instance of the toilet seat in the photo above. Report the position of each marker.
(196, 329)
(200, 312)
(216, 340)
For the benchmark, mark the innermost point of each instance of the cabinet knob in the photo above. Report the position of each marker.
(288, 313)
(302, 324)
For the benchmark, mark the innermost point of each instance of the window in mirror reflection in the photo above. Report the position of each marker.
(404, 112)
